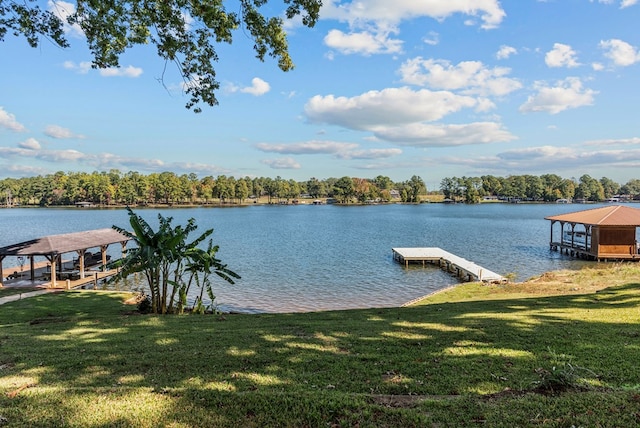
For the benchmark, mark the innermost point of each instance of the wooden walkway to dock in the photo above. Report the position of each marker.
(91, 278)
(461, 267)
(66, 279)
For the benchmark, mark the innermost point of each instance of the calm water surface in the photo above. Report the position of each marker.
(308, 258)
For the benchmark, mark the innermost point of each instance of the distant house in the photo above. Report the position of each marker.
(395, 194)
(607, 233)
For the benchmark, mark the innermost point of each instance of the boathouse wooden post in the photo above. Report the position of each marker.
(32, 268)
(81, 254)
(54, 268)
(1, 272)
(103, 256)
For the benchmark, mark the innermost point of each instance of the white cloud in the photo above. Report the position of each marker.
(566, 94)
(337, 149)
(129, 71)
(506, 51)
(30, 150)
(68, 155)
(282, 163)
(85, 66)
(11, 152)
(596, 66)
(561, 56)
(401, 115)
(623, 3)
(614, 142)
(15, 170)
(620, 52)
(530, 153)
(372, 22)
(8, 121)
(58, 132)
(427, 135)
(82, 67)
(392, 106)
(472, 77)
(30, 144)
(45, 155)
(364, 42)
(384, 11)
(432, 39)
(370, 154)
(547, 158)
(63, 10)
(306, 148)
(258, 87)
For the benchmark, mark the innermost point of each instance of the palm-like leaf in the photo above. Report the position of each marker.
(165, 256)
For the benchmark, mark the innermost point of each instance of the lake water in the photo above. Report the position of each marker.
(309, 258)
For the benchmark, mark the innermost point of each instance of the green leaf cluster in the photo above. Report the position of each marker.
(166, 257)
(184, 32)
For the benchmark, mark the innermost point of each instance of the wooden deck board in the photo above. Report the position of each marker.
(432, 254)
(43, 279)
(90, 278)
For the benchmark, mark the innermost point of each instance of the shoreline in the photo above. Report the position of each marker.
(433, 293)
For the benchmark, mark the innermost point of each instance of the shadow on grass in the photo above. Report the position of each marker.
(316, 368)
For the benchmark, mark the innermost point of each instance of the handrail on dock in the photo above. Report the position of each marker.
(463, 268)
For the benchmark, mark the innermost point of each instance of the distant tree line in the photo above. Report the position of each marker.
(547, 188)
(133, 188)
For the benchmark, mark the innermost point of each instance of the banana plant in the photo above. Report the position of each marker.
(202, 264)
(166, 257)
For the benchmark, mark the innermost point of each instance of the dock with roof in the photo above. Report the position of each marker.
(605, 233)
(75, 272)
(459, 266)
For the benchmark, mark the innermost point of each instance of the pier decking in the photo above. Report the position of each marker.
(54, 247)
(91, 278)
(463, 268)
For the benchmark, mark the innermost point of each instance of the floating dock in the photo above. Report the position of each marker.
(461, 267)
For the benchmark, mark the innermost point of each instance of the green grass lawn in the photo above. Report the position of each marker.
(511, 356)
(10, 291)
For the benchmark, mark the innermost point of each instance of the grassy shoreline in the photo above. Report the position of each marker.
(553, 283)
(560, 350)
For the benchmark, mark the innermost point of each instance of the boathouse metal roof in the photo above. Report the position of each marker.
(64, 243)
(614, 215)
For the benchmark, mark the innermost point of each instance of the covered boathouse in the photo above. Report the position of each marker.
(606, 233)
(53, 248)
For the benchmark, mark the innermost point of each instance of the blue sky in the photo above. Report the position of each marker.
(435, 88)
